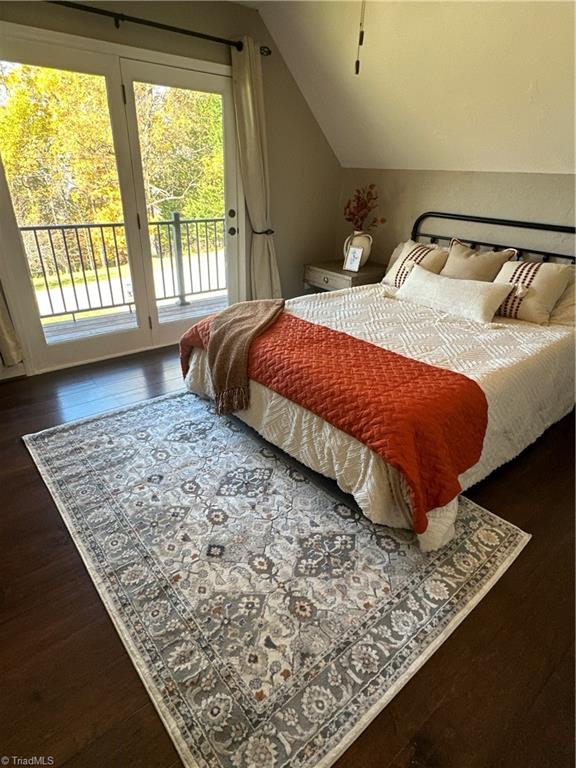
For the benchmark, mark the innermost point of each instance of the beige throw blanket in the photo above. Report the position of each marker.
(227, 337)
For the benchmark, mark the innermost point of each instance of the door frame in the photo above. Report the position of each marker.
(161, 74)
(44, 356)
(13, 271)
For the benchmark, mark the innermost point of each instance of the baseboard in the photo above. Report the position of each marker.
(13, 372)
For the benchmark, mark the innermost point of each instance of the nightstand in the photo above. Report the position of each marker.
(329, 275)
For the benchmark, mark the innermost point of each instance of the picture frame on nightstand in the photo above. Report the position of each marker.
(353, 258)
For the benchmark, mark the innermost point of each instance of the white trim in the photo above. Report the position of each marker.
(98, 358)
(239, 279)
(25, 32)
(137, 71)
(12, 371)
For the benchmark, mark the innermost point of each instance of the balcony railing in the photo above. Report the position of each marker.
(81, 268)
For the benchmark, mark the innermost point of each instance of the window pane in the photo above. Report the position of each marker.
(58, 153)
(182, 148)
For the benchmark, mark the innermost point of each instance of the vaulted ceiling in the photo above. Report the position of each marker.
(482, 86)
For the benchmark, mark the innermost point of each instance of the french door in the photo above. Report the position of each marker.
(184, 162)
(121, 175)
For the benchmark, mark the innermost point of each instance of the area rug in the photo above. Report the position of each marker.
(269, 622)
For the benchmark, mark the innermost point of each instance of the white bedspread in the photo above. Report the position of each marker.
(526, 372)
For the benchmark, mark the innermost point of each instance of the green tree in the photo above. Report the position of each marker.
(57, 148)
(182, 147)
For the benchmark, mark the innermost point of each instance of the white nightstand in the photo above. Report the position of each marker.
(329, 275)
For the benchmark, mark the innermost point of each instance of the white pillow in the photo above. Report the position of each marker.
(564, 313)
(537, 288)
(471, 299)
(428, 255)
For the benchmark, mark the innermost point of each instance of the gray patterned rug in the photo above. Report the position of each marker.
(269, 622)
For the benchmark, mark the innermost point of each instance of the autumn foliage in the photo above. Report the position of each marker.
(59, 155)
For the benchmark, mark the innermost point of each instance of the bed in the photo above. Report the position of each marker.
(524, 370)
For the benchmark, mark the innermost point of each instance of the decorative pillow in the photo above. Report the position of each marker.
(431, 257)
(394, 257)
(471, 299)
(466, 263)
(538, 287)
(564, 313)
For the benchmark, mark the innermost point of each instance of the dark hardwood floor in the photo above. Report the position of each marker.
(498, 692)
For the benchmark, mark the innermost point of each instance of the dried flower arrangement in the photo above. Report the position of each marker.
(360, 206)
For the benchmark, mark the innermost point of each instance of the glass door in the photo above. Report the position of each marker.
(122, 178)
(65, 152)
(184, 160)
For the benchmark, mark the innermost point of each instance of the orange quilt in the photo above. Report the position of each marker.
(427, 422)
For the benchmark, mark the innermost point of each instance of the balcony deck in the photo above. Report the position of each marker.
(124, 320)
(83, 284)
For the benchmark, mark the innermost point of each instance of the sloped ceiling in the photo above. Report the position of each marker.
(481, 86)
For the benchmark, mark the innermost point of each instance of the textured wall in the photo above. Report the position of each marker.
(405, 194)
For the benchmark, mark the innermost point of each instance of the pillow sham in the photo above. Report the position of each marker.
(537, 288)
(465, 263)
(394, 256)
(471, 299)
(429, 256)
(564, 313)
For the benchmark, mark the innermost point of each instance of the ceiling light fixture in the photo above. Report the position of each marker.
(360, 37)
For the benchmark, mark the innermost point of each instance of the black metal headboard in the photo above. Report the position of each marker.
(485, 220)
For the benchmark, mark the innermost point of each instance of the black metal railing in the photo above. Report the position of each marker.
(79, 268)
(190, 254)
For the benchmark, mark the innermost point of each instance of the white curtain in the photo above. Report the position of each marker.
(251, 129)
(10, 350)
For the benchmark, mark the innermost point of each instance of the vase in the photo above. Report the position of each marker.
(359, 239)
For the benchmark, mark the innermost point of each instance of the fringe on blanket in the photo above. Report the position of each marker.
(230, 400)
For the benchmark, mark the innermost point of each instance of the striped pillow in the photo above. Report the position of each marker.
(431, 257)
(538, 288)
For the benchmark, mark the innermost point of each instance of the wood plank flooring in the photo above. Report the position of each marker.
(498, 693)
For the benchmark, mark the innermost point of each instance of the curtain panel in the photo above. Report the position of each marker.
(10, 349)
(251, 129)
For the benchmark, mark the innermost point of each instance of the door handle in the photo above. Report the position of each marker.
(232, 230)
